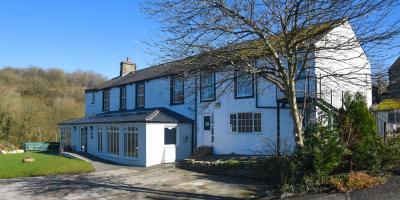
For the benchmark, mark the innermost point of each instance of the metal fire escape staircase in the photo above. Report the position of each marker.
(312, 94)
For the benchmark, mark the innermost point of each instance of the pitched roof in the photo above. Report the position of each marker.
(396, 64)
(148, 115)
(247, 49)
(157, 71)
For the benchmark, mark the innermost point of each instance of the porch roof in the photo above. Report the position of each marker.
(148, 115)
(388, 104)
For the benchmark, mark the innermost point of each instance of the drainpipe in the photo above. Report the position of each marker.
(194, 135)
(278, 130)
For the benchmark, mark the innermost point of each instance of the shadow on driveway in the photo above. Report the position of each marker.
(159, 183)
(56, 187)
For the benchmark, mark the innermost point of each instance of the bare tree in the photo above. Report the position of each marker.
(226, 35)
(380, 81)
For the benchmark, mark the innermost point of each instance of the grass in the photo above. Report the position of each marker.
(11, 165)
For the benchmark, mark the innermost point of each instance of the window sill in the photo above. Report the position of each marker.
(175, 104)
(130, 158)
(244, 97)
(246, 133)
(207, 100)
(112, 155)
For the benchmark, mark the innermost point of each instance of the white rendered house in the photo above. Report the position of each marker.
(152, 116)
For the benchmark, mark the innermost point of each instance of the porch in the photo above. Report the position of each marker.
(140, 138)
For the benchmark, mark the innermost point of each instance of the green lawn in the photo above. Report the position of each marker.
(11, 166)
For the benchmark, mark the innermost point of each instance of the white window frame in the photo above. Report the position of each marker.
(131, 151)
(177, 90)
(237, 123)
(66, 133)
(122, 98)
(106, 101)
(241, 78)
(206, 87)
(113, 139)
(140, 96)
(100, 140)
(93, 96)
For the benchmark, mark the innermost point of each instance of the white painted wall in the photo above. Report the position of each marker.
(350, 61)
(114, 98)
(226, 142)
(130, 96)
(157, 94)
(158, 153)
(91, 109)
(93, 145)
(151, 143)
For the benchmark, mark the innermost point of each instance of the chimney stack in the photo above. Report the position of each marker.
(127, 66)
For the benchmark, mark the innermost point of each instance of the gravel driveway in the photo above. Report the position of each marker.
(163, 182)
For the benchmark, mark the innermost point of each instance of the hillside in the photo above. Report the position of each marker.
(34, 100)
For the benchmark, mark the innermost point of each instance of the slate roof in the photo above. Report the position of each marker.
(396, 64)
(156, 71)
(250, 49)
(147, 115)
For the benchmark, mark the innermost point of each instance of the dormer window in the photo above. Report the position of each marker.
(244, 85)
(106, 100)
(177, 90)
(140, 95)
(122, 98)
(207, 87)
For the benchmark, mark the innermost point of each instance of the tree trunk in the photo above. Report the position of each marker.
(297, 118)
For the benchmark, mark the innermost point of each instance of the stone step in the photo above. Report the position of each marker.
(73, 155)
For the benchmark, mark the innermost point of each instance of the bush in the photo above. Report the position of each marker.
(233, 163)
(391, 153)
(357, 128)
(357, 180)
(322, 151)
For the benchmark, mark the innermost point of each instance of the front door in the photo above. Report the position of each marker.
(208, 130)
(84, 139)
(170, 143)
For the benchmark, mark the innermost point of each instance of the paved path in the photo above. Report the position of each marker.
(101, 164)
(163, 182)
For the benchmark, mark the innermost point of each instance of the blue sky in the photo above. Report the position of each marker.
(77, 34)
(74, 34)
